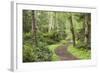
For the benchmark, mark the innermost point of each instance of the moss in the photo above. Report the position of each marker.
(80, 53)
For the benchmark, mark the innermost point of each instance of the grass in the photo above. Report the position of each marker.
(80, 53)
(52, 48)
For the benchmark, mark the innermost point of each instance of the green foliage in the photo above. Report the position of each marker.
(42, 54)
(52, 48)
(80, 45)
(27, 20)
(27, 53)
(80, 53)
(64, 42)
(42, 21)
(53, 37)
(52, 29)
(27, 35)
(36, 54)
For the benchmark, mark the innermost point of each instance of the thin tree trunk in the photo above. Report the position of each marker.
(72, 29)
(50, 19)
(34, 28)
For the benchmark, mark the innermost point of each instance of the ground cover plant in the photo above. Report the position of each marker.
(56, 36)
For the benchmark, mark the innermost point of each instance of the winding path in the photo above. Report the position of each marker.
(62, 52)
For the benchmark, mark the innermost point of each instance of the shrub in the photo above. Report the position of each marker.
(44, 54)
(36, 53)
(27, 35)
(27, 53)
(80, 45)
(64, 42)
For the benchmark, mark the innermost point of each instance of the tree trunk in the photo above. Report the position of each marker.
(72, 29)
(34, 28)
(50, 19)
(88, 29)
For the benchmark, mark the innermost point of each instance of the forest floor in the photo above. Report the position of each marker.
(62, 52)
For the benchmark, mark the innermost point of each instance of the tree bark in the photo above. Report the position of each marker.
(34, 28)
(50, 19)
(88, 29)
(72, 29)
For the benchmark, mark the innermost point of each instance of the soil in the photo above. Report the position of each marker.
(62, 52)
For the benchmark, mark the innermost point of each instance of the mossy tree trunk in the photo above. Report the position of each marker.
(72, 29)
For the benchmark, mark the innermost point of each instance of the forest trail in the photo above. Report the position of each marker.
(62, 52)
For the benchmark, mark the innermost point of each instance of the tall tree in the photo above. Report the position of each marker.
(27, 20)
(50, 19)
(72, 28)
(34, 28)
(88, 29)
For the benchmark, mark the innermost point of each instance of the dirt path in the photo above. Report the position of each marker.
(62, 52)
